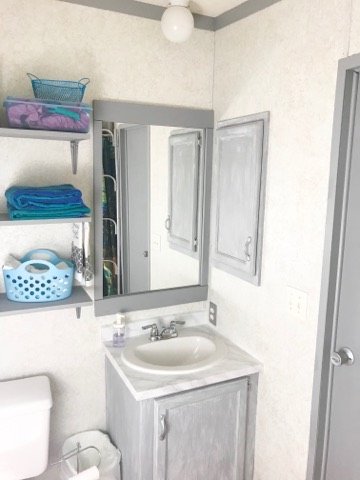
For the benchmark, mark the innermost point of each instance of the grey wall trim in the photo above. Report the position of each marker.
(154, 12)
(242, 11)
(206, 213)
(141, 9)
(148, 300)
(331, 267)
(150, 114)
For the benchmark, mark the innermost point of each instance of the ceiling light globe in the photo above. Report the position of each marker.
(177, 23)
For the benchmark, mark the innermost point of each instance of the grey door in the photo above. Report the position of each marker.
(343, 460)
(201, 434)
(135, 208)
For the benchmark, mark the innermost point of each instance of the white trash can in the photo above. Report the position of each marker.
(110, 456)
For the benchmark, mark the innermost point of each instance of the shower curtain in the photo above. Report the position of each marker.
(109, 200)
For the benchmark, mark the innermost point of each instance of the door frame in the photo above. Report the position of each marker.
(346, 91)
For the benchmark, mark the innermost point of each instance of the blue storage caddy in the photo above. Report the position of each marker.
(61, 90)
(48, 284)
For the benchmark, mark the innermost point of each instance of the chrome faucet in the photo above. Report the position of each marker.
(171, 331)
(166, 332)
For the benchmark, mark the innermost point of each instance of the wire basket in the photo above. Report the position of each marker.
(46, 284)
(60, 90)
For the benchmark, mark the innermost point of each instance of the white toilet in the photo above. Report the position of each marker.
(24, 427)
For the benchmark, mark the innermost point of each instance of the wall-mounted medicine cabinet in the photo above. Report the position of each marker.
(152, 183)
(240, 173)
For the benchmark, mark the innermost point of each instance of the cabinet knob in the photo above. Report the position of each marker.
(163, 427)
(168, 223)
(247, 249)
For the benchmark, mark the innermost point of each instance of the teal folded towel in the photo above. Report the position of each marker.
(70, 212)
(54, 201)
(41, 197)
(33, 215)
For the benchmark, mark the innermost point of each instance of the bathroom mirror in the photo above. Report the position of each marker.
(152, 174)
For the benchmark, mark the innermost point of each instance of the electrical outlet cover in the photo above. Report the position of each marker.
(297, 303)
(213, 313)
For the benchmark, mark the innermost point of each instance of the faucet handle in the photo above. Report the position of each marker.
(154, 333)
(177, 322)
(151, 325)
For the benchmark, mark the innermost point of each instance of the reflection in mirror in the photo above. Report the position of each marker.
(152, 207)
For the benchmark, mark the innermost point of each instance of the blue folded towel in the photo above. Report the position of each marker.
(70, 212)
(38, 198)
(57, 201)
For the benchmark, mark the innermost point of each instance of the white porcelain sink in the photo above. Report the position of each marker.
(189, 352)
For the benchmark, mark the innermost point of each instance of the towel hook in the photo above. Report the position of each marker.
(108, 133)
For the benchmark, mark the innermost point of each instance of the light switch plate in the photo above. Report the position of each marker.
(297, 303)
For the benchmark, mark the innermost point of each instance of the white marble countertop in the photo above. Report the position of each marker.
(143, 385)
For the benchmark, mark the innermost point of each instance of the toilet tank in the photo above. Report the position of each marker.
(24, 427)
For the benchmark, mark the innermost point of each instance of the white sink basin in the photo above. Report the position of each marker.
(189, 352)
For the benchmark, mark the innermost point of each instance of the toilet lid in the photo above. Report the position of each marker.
(23, 396)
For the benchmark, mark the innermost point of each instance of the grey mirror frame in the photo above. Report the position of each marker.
(151, 114)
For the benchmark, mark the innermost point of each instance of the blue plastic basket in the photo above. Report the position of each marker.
(60, 90)
(47, 285)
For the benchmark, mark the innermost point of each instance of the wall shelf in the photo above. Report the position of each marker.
(72, 137)
(79, 298)
(43, 134)
(6, 222)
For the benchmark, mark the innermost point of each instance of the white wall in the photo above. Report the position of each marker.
(283, 59)
(126, 58)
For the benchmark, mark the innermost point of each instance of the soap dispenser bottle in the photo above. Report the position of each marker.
(119, 331)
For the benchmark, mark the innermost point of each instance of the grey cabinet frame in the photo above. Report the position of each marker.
(220, 260)
(134, 425)
(149, 114)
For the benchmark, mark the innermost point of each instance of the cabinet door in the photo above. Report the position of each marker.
(240, 195)
(184, 160)
(200, 435)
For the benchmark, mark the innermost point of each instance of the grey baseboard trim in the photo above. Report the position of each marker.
(203, 22)
(154, 12)
(141, 9)
(242, 11)
(128, 7)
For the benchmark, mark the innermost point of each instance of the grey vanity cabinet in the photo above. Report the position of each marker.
(201, 434)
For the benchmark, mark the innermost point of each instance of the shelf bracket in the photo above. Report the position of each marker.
(78, 312)
(74, 147)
